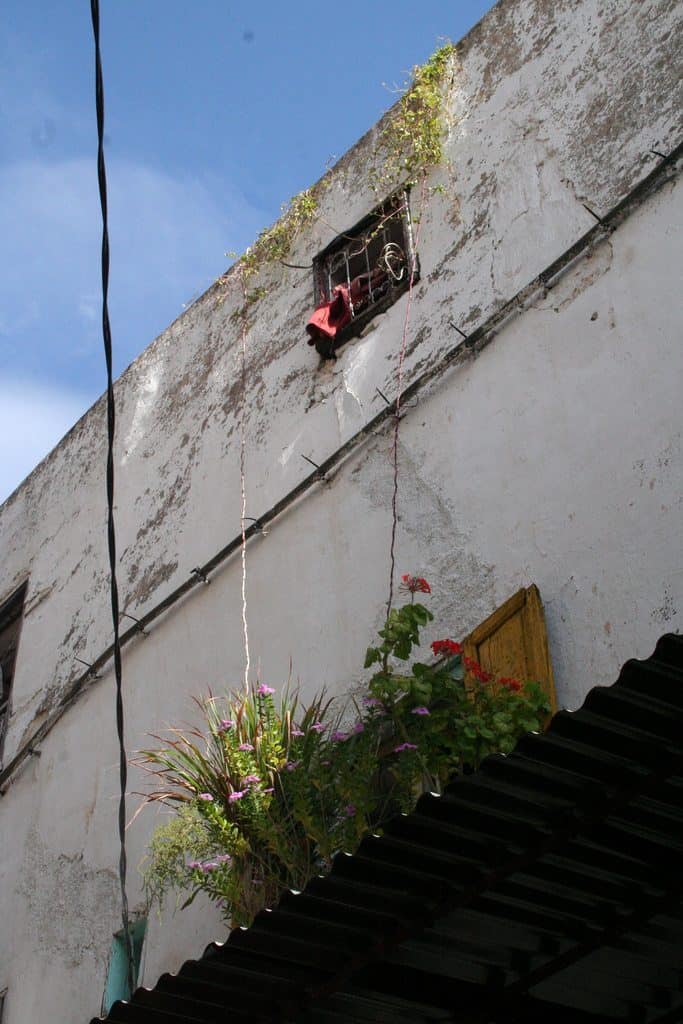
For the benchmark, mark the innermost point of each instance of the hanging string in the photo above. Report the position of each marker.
(111, 533)
(243, 486)
(397, 407)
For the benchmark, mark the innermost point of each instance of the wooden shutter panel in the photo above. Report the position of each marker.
(513, 642)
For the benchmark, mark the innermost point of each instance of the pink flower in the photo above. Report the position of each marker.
(420, 711)
(245, 746)
(264, 691)
(358, 727)
(318, 727)
(372, 702)
(298, 732)
(236, 795)
(251, 779)
(350, 810)
(226, 725)
(269, 790)
(338, 736)
(292, 765)
(204, 796)
(405, 746)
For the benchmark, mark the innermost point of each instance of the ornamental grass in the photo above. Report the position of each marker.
(270, 790)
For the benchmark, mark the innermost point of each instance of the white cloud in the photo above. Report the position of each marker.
(168, 232)
(168, 237)
(87, 307)
(33, 419)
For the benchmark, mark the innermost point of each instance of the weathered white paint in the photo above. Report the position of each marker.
(553, 457)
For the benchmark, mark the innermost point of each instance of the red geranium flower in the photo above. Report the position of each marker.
(510, 684)
(446, 647)
(475, 669)
(415, 584)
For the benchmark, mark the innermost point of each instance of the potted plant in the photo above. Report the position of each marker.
(270, 791)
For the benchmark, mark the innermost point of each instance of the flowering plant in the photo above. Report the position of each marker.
(268, 794)
(455, 712)
(415, 584)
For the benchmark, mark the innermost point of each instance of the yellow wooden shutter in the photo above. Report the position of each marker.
(513, 642)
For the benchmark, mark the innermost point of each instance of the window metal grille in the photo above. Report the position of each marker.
(372, 261)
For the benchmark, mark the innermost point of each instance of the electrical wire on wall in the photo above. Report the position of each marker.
(243, 483)
(397, 404)
(111, 532)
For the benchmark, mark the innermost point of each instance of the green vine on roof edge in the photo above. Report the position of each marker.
(411, 141)
(409, 144)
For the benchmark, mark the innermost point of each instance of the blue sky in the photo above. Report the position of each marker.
(216, 113)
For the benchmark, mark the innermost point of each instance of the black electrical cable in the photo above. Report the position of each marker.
(111, 532)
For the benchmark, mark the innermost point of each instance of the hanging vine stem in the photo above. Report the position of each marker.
(399, 382)
(243, 478)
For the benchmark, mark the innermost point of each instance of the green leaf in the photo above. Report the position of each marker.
(190, 899)
(371, 656)
(402, 649)
(421, 692)
(421, 614)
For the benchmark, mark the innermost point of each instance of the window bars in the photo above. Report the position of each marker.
(370, 264)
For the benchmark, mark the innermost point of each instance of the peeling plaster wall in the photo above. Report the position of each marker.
(554, 457)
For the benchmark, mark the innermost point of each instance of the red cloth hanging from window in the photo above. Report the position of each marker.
(330, 317)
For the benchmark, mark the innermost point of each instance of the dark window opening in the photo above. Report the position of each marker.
(361, 273)
(11, 614)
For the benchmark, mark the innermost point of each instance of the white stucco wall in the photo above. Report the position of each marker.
(552, 456)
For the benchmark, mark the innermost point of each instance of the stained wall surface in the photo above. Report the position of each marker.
(550, 454)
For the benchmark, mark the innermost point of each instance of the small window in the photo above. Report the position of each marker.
(2, 1004)
(513, 641)
(361, 273)
(117, 986)
(11, 614)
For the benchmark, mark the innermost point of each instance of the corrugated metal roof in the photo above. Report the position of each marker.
(546, 887)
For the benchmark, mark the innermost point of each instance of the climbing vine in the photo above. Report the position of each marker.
(411, 139)
(410, 142)
(275, 242)
(250, 299)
